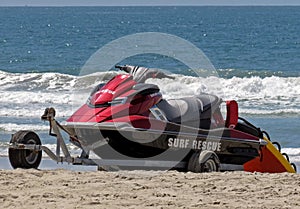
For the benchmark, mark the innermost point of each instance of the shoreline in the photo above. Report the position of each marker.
(48, 164)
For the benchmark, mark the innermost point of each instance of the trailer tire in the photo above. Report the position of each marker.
(192, 161)
(21, 158)
(205, 161)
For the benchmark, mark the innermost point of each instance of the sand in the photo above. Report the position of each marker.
(147, 189)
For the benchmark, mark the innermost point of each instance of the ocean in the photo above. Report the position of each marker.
(255, 51)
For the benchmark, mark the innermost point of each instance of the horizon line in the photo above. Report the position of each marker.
(154, 5)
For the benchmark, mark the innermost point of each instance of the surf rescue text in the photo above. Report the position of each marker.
(194, 144)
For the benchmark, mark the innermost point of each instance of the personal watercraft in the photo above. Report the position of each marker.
(127, 123)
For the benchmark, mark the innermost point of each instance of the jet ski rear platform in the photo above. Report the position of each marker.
(128, 125)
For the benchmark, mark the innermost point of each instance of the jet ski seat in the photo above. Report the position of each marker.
(193, 111)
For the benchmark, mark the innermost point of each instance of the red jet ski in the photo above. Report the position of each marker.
(126, 121)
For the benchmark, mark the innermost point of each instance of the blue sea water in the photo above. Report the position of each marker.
(256, 51)
(62, 39)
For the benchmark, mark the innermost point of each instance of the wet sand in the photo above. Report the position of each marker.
(147, 189)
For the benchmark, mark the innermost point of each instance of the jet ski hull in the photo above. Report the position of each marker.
(120, 140)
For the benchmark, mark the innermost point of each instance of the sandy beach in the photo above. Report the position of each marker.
(147, 189)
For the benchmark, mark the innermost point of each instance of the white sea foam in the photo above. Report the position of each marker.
(13, 127)
(255, 95)
(291, 151)
(294, 156)
(26, 95)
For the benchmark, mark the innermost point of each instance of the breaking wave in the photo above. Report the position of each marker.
(26, 95)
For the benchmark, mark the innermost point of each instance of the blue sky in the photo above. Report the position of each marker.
(143, 2)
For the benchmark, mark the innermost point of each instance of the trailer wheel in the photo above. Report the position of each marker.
(210, 165)
(21, 158)
(205, 161)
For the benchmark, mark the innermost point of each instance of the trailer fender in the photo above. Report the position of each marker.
(206, 154)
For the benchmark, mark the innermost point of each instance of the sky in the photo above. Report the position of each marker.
(144, 2)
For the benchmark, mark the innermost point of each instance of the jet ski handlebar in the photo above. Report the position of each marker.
(124, 68)
(137, 71)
